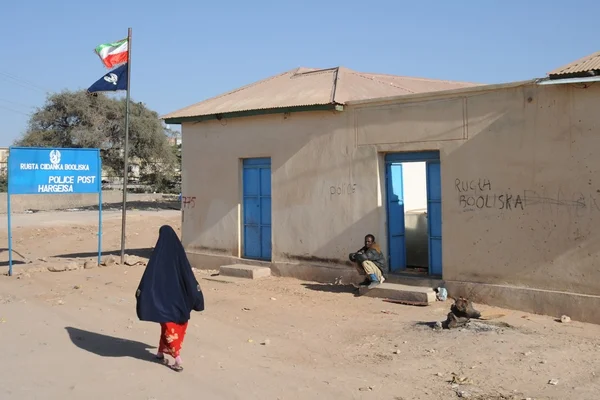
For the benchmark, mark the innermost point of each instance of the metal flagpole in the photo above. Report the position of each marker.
(126, 150)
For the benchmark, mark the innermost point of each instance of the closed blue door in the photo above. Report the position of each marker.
(434, 212)
(257, 208)
(395, 208)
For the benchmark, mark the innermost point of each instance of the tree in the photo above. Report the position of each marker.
(80, 120)
(3, 183)
(164, 181)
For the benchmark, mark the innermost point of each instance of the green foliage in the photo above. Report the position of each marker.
(80, 120)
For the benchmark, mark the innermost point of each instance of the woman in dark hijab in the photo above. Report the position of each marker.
(167, 294)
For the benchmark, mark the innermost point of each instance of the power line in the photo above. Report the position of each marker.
(23, 82)
(16, 103)
(13, 110)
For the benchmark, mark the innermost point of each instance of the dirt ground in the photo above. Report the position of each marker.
(75, 335)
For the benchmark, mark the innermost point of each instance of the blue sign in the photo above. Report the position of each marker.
(34, 170)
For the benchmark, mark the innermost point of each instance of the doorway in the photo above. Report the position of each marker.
(414, 212)
(256, 186)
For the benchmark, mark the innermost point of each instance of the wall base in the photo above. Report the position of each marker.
(307, 272)
(49, 202)
(579, 307)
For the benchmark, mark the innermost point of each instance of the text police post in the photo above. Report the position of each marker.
(54, 171)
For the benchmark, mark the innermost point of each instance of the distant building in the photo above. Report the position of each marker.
(174, 140)
(3, 160)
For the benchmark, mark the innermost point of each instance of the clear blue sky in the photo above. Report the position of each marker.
(184, 51)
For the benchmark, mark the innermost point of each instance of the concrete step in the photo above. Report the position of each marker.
(411, 280)
(394, 291)
(228, 279)
(245, 271)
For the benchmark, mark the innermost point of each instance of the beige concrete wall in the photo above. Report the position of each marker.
(521, 193)
(520, 186)
(414, 182)
(325, 190)
(42, 202)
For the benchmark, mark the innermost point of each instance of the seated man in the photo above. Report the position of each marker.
(370, 261)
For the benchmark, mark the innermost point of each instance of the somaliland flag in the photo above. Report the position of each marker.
(114, 53)
(111, 81)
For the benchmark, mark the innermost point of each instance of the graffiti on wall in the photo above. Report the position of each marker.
(577, 203)
(342, 189)
(188, 201)
(479, 194)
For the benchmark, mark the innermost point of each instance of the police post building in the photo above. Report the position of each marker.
(490, 190)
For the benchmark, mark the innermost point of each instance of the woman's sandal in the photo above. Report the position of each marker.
(177, 367)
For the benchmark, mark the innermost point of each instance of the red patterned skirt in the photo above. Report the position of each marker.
(171, 338)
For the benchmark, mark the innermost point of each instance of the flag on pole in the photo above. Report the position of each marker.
(114, 53)
(111, 81)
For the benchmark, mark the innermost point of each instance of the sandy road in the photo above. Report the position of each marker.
(66, 218)
(74, 335)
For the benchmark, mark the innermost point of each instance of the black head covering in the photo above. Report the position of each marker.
(168, 291)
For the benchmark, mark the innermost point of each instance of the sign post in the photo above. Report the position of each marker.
(33, 170)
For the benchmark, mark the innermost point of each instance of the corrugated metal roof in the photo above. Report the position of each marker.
(310, 86)
(584, 66)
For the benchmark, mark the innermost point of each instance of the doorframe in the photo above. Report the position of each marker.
(402, 157)
(248, 163)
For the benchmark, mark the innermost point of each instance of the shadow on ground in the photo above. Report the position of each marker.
(109, 346)
(15, 262)
(145, 253)
(426, 324)
(319, 287)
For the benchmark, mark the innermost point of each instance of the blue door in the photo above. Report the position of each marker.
(434, 213)
(396, 227)
(257, 208)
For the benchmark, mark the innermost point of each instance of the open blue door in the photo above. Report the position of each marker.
(434, 215)
(395, 208)
(257, 208)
